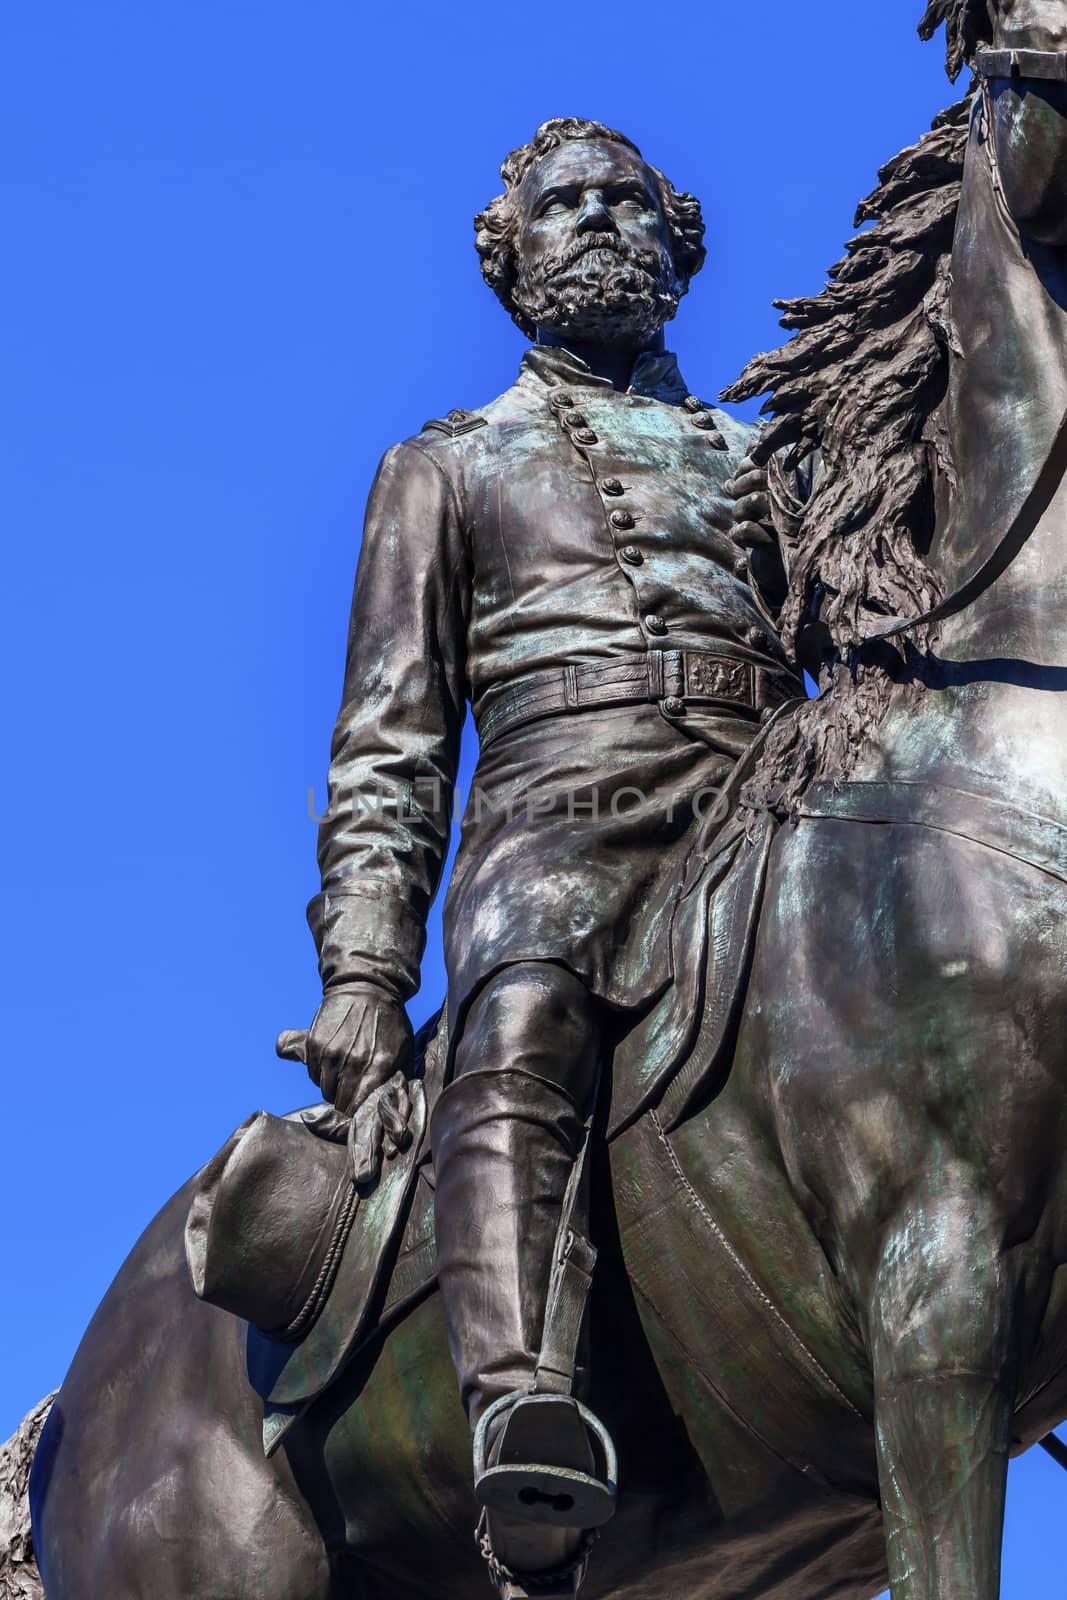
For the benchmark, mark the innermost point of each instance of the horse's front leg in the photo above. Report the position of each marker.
(943, 1354)
(1030, 121)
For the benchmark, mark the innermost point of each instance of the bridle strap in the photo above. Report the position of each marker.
(1044, 65)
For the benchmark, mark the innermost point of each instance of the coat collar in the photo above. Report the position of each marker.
(655, 375)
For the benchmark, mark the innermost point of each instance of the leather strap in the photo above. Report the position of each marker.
(1044, 65)
(572, 1279)
(697, 677)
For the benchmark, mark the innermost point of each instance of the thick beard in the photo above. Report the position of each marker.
(601, 288)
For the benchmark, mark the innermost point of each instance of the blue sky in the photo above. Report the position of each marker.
(236, 265)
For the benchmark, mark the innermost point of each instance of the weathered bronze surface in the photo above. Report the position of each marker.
(828, 1303)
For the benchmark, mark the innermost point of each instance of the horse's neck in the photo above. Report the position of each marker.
(999, 723)
(1007, 394)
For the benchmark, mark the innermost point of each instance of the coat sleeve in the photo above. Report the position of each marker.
(383, 841)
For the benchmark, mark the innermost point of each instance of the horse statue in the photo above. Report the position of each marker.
(830, 1302)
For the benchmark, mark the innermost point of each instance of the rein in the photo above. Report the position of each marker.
(1043, 65)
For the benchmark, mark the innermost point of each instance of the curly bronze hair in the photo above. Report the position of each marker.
(495, 226)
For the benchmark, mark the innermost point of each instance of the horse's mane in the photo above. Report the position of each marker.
(967, 24)
(861, 383)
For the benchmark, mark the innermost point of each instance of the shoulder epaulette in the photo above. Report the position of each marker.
(458, 421)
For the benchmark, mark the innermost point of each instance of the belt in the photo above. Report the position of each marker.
(674, 678)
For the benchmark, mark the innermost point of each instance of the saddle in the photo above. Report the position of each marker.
(680, 1050)
(279, 1232)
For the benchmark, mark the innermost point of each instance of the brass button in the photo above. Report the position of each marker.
(757, 639)
(621, 519)
(655, 624)
(560, 400)
(691, 403)
(741, 568)
(673, 706)
(717, 441)
(703, 419)
(574, 419)
(631, 554)
(611, 486)
(585, 436)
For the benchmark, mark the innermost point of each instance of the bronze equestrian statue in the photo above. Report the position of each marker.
(826, 1306)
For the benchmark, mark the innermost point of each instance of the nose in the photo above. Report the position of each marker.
(593, 214)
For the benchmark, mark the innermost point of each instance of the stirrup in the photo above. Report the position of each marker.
(543, 1461)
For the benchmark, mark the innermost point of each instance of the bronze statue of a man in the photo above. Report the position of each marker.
(563, 559)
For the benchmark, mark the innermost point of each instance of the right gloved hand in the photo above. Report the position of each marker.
(360, 1037)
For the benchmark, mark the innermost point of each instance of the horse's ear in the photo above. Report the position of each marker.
(967, 25)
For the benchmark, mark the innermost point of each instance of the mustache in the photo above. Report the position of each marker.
(555, 265)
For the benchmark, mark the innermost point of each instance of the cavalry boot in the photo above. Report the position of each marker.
(505, 1146)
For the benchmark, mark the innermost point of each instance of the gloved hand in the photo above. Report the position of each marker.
(360, 1037)
(754, 531)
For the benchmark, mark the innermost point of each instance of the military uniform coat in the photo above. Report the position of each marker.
(564, 530)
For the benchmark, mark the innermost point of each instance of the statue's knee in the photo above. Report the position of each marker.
(534, 1017)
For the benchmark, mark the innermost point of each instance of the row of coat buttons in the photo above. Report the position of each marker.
(572, 420)
(623, 521)
(701, 417)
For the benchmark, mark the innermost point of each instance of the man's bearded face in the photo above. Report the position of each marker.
(594, 258)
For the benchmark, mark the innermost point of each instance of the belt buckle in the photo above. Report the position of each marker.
(710, 677)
